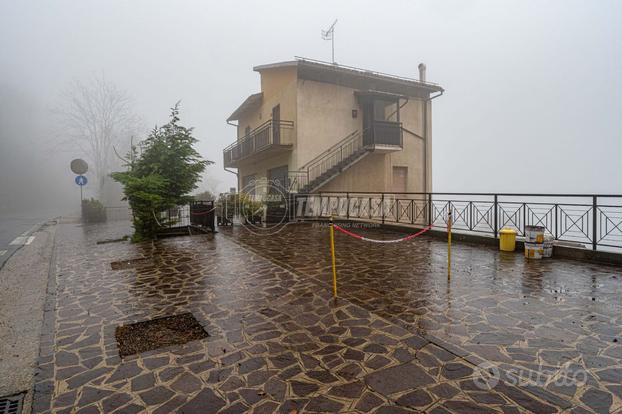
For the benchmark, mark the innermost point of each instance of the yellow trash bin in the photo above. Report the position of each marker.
(507, 239)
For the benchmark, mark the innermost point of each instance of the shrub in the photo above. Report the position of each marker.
(93, 211)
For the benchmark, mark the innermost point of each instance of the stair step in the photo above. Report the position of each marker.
(333, 171)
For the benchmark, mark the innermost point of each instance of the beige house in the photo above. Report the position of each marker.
(318, 126)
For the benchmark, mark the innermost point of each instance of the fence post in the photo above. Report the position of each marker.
(430, 220)
(449, 225)
(382, 206)
(496, 205)
(348, 206)
(470, 205)
(332, 254)
(556, 206)
(594, 221)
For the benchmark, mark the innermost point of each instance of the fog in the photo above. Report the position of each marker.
(532, 102)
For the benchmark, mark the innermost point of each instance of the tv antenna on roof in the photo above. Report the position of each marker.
(330, 35)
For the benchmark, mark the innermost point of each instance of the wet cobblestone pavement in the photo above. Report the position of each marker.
(400, 339)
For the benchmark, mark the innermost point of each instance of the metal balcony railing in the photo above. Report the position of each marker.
(268, 134)
(383, 133)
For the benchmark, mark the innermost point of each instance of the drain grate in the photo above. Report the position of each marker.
(12, 404)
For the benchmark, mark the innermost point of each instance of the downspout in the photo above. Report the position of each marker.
(237, 175)
(425, 140)
(237, 178)
(397, 111)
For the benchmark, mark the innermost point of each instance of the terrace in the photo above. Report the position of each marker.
(536, 322)
(502, 335)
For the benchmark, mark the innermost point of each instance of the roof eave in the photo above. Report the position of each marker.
(277, 65)
(253, 99)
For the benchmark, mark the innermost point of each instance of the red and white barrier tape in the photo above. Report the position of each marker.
(358, 236)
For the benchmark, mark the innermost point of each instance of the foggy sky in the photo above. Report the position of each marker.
(533, 88)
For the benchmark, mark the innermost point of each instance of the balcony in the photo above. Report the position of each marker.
(269, 138)
(383, 135)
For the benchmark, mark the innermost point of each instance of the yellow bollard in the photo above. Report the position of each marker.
(449, 223)
(332, 253)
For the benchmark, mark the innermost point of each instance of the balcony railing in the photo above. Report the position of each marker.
(270, 134)
(383, 133)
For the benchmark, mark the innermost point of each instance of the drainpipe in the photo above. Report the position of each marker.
(237, 178)
(237, 175)
(425, 138)
(397, 111)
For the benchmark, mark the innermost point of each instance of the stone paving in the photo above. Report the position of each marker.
(556, 324)
(400, 338)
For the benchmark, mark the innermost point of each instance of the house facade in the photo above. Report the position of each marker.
(318, 126)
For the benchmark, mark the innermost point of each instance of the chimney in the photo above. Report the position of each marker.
(422, 72)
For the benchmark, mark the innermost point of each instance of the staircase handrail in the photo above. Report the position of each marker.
(326, 160)
(329, 150)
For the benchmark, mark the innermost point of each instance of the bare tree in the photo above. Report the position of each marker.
(97, 117)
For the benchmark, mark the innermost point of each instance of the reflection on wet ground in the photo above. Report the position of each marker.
(542, 319)
(401, 338)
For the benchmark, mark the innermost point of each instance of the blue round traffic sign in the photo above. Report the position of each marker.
(81, 180)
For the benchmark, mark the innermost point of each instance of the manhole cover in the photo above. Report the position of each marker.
(11, 405)
(131, 263)
(158, 333)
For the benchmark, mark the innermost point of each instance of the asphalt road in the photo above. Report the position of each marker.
(13, 226)
(23, 283)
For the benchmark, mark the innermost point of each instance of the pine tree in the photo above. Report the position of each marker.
(162, 176)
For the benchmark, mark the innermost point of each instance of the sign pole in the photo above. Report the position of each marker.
(81, 182)
(79, 167)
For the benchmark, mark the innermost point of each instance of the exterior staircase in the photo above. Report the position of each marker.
(334, 171)
(328, 165)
